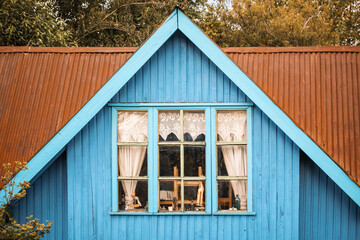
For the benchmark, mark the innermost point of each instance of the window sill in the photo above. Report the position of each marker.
(233, 213)
(237, 213)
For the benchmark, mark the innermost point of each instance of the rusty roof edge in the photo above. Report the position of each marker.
(4, 49)
(228, 50)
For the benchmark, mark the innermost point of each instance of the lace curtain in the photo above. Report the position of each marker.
(132, 127)
(231, 127)
(194, 124)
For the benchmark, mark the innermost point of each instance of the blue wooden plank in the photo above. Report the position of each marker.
(250, 143)
(153, 78)
(288, 198)
(212, 83)
(169, 66)
(295, 189)
(176, 66)
(114, 183)
(209, 164)
(273, 181)
(190, 84)
(182, 67)
(154, 167)
(161, 71)
(205, 79)
(226, 89)
(280, 164)
(213, 162)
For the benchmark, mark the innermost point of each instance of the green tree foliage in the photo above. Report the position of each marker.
(227, 22)
(118, 22)
(31, 23)
(10, 229)
(288, 22)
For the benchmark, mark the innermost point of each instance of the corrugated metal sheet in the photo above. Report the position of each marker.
(276, 160)
(318, 88)
(326, 212)
(41, 89)
(47, 200)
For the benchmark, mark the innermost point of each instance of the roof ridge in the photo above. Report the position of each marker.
(26, 49)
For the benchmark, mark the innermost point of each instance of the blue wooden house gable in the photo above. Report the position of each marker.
(180, 72)
(276, 160)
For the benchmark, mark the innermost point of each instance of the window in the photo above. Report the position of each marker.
(231, 159)
(182, 160)
(178, 160)
(132, 142)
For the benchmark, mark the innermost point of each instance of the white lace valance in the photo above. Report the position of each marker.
(194, 124)
(169, 123)
(132, 126)
(231, 126)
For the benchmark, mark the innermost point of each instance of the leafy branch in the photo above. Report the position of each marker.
(32, 229)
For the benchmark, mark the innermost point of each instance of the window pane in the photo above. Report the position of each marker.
(232, 195)
(169, 126)
(170, 196)
(132, 161)
(194, 161)
(133, 195)
(169, 157)
(231, 125)
(194, 126)
(232, 160)
(132, 126)
(194, 195)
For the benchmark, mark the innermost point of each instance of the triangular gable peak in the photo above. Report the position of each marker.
(179, 73)
(177, 21)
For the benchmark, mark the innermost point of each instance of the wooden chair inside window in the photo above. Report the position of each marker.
(227, 202)
(199, 200)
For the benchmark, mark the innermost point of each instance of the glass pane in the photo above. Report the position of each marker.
(231, 125)
(169, 161)
(194, 195)
(194, 126)
(232, 160)
(133, 195)
(132, 161)
(169, 126)
(232, 195)
(170, 196)
(132, 126)
(194, 161)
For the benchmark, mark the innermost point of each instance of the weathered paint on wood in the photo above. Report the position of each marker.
(179, 72)
(46, 199)
(326, 212)
(173, 75)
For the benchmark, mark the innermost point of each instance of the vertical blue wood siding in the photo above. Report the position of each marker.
(46, 199)
(179, 72)
(326, 212)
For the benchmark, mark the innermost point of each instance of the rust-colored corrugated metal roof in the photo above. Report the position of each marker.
(318, 88)
(41, 89)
